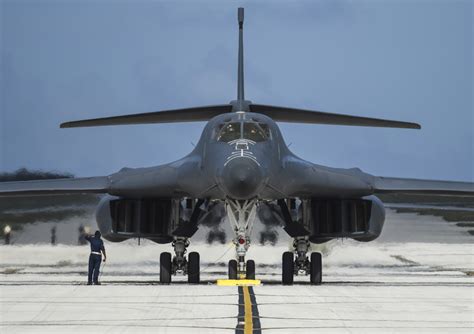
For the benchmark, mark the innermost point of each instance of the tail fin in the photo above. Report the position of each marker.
(240, 104)
(240, 70)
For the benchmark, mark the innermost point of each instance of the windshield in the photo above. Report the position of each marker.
(253, 131)
(228, 132)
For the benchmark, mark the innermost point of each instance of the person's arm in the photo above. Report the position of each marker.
(103, 251)
(88, 237)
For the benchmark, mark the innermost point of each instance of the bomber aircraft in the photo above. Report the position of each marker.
(241, 169)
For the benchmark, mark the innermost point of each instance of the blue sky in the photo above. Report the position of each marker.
(403, 60)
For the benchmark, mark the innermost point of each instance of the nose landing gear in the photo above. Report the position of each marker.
(241, 215)
(248, 273)
(297, 263)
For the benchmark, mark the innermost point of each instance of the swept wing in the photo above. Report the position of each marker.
(422, 187)
(57, 186)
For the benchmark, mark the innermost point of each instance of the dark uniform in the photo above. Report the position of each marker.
(97, 246)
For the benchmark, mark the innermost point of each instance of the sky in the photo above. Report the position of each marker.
(402, 60)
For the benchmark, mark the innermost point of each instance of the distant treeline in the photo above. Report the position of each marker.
(24, 174)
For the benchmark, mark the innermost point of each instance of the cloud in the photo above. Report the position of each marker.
(87, 59)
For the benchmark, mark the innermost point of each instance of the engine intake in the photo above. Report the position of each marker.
(155, 219)
(359, 219)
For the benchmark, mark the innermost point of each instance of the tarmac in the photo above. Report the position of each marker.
(417, 278)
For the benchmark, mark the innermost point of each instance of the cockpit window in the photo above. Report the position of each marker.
(265, 129)
(229, 132)
(256, 132)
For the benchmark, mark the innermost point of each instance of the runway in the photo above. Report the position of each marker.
(383, 286)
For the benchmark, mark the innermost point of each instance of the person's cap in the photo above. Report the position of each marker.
(98, 234)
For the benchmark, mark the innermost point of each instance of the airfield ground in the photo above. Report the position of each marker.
(418, 277)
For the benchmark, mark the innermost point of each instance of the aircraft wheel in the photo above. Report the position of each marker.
(232, 269)
(273, 238)
(288, 269)
(221, 237)
(250, 269)
(210, 237)
(316, 268)
(165, 268)
(193, 267)
(268, 236)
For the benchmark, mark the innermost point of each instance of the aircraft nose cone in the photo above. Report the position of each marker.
(241, 178)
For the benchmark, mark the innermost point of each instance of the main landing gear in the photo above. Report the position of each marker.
(297, 263)
(179, 264)
(241, 215)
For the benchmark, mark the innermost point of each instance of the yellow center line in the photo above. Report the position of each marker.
(248, 326)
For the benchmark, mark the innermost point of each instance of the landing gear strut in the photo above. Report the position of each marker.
(241, 215)
(179, 264)
(297, 263)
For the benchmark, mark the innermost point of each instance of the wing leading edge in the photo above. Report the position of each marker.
(294, 115)
(56, 186)
(421, 187)
(194, 114)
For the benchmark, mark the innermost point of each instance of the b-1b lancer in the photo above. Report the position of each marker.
(241, 169)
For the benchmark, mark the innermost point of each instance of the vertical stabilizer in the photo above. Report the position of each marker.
(240, 84)
(240, 104)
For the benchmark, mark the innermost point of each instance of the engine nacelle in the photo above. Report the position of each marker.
(360, 219)
(120, 219)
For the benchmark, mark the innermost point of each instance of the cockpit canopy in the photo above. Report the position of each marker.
(229, 131)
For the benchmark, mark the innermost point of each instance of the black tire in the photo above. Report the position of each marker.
(288, 268)
(210, 237)
(193, 267)
(222, 237)
(232, 269)
(316, 268)
(165, 268)
(250, 269)
(273, 238)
